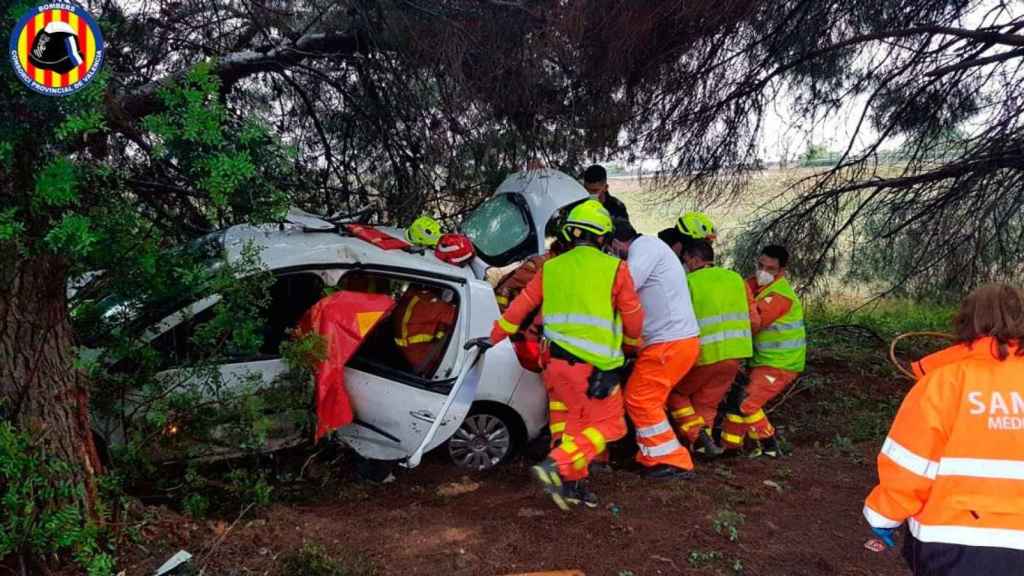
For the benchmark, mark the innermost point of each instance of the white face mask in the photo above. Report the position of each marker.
(764, 278)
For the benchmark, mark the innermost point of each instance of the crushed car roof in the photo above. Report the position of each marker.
(292, 244)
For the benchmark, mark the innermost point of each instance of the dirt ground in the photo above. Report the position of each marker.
(806, 520)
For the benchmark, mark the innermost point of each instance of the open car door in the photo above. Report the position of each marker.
(402, 409)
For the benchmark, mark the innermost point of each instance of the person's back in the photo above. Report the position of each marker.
(422, 323)
(952, 466)
(936, 360)
(583, 323)
(979, 470)
(661, 283)
(721, 304)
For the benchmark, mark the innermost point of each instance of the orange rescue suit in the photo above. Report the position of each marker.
(527, 341)
(590, 423)
(932, 362)
(694, 402)
(952, 466)
(422, 323)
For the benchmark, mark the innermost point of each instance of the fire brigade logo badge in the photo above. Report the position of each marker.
(56, 48)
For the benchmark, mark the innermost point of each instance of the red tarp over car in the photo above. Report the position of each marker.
(343, 319)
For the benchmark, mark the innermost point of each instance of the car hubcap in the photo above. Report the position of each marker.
(481, 442)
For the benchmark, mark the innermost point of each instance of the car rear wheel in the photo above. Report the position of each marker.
(486, 438)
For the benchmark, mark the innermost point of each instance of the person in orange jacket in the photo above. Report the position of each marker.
(780, 350)
(718, 296)
(527, 341)
(422, 321)
(934, 361)
(590, 307)
(952, 467)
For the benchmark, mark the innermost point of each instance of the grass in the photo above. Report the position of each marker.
(727, 523)
(703, 558)
(313, 560)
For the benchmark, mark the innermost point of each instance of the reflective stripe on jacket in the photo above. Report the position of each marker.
(783, 343)
(578, 311)
(953, 463)
(720, 302)
(422, 318)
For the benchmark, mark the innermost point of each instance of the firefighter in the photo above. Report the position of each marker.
(952, 466)
(670, 349)
(696, 226)
(589, 307)
(422, 321)
(689, 227)
(424, 231)
(727, 315)
(527, 341)
(780, 349)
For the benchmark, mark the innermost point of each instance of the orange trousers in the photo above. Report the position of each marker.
(765, 383)
(590, 424)
(694, 403)
(658, 369)
(558, 417)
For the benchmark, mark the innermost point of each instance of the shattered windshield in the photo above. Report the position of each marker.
(499, 226)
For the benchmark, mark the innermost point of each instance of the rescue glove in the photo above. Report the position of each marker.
(483, 343)
(885, 535)
(601, 384)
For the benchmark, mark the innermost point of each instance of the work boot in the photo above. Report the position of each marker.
(547, 474)
(667, 472)
(770, 447)
(766, 447)
(705, 447)
(577, 493)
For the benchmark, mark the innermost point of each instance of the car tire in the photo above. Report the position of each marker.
(489, 436)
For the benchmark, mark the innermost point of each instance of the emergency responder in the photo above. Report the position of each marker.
(595, 180)
(527, 340)
(690, 226)
(952, 466)
(934, 361)
(422, 321)
(424, 231)
(696, 226)
(589, 307)
(726, 313)
(670, 349)
(780, 349)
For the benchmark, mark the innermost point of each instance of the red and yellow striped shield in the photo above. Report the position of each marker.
(56, 49)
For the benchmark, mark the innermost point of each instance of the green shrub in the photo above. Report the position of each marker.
(196, 506)
(31, 524)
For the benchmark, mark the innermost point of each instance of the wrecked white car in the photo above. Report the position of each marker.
(482, 410)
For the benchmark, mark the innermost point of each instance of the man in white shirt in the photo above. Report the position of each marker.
(671, 345)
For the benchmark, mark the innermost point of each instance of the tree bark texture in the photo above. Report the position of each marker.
(41, 391)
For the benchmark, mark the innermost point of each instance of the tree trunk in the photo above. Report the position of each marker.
(40, 389)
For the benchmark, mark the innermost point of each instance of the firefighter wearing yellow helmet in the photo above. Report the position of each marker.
(697, 226)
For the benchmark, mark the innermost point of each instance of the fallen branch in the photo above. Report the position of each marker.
(216, 544)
